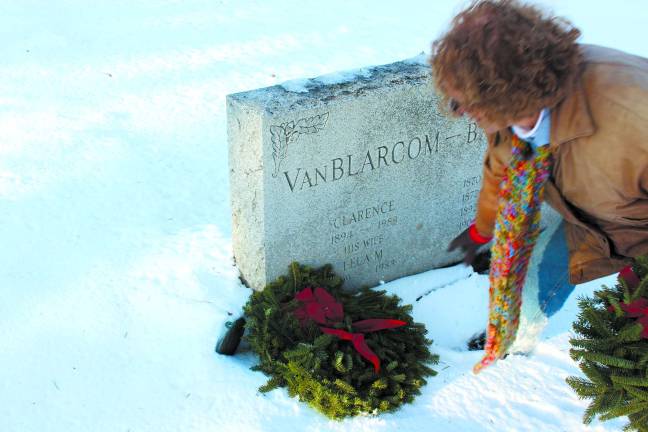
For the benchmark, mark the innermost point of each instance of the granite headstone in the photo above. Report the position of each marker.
(360, 170)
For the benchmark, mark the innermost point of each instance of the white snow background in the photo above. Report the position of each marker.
(116, 271)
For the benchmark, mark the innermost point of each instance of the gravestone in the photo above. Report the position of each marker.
(360, 170)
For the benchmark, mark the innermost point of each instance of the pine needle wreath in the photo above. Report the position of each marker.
(325, 371)
(612, 349)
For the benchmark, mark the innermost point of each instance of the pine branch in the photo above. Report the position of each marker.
(608, 360)
(629, 381)
(636, 392)
(624, 410)
(584, 389)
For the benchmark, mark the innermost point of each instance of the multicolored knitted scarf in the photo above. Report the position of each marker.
(517, 227)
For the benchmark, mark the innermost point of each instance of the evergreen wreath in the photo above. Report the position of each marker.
(612, 349)
(343, 353)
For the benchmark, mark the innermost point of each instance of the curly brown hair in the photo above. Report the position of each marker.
(507, 59)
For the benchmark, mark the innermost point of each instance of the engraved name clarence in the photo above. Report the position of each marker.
(362, 214)
(358, 236)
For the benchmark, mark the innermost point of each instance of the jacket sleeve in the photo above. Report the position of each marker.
(496, 160)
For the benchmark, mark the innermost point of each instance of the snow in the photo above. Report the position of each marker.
(300, 85)
(117, 272)
(420, 59)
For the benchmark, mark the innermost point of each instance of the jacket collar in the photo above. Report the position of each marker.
(571, 118)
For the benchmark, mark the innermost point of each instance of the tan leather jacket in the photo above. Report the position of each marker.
(599, 181)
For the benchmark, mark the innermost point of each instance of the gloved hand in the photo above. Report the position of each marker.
(469, 241)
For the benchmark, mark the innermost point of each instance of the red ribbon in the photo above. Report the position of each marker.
(629, 276)
(639, 307)
(321, 307)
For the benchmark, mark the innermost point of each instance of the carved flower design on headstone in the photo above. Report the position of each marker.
(287, 133)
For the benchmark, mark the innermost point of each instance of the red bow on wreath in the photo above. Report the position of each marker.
(321, 307)
(639, 307)
(629, 276)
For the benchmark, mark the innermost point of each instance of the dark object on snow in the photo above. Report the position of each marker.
(228, 343)
(481, 264)
(477, 342)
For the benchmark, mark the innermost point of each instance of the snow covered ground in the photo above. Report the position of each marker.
(116, 267)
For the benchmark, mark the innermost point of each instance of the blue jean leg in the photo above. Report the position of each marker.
(553, 274)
